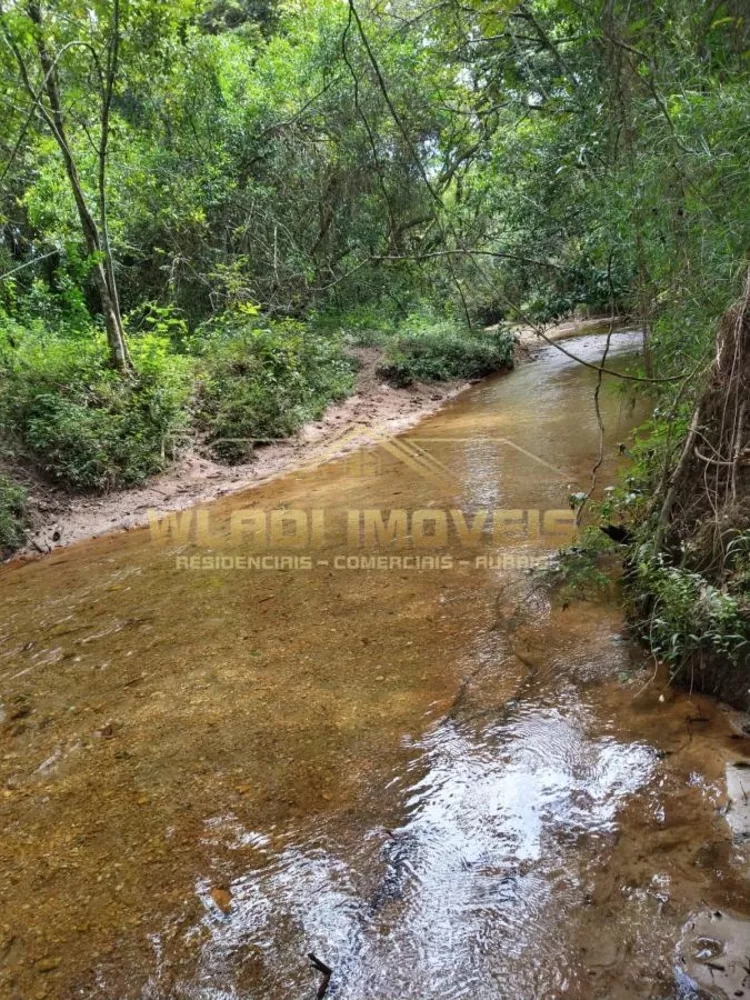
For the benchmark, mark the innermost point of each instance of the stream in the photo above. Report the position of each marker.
(343, 713)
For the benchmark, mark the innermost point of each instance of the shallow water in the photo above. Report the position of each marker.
(426, 770)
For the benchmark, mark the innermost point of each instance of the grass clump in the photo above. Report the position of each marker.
(687, 616)
(263, 381)
(438, 352)
(13, 515)
(64, 410)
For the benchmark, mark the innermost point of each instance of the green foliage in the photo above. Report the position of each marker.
(597, 154)
(163, 322)
(684, 616)
(687, 614)
(434, 352)
(262, 382)
(367, 325)
(79, 422)
(13, 514)
(738, 559)
(582, 571)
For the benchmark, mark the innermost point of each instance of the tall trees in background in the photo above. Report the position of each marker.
(42, 42)
(514, 158)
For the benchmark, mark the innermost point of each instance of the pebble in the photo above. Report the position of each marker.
(48, 964)
(222, 897)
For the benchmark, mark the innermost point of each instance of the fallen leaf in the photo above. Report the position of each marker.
(222, 897)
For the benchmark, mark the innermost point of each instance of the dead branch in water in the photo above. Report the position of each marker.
(327, 973)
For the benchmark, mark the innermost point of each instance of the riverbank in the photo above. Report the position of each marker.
(208, 774)
(376, 408)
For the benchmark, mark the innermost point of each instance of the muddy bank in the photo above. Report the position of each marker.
(374, 410)
(717, 675)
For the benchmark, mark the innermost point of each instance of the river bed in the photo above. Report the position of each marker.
(343, 714)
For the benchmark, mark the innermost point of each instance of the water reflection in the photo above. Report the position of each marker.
(455, 901)
(433, 781)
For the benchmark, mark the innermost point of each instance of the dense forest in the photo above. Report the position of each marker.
(204, 204)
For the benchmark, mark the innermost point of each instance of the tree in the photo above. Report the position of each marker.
(30, 35)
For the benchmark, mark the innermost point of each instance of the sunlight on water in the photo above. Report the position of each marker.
(441, 783)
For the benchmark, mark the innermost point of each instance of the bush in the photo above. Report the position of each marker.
(438, 352)
(366, 325)
(584, 571)
(687, 615)
(261, 382)
(64, 409)
(13, 515)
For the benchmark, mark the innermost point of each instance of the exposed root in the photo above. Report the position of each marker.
(707, 502)
(702, 538)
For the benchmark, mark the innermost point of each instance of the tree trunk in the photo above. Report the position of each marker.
(103, 275)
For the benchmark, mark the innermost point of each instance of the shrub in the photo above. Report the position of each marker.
(583, 571)
(365, 325)
(437, 352)
(264, 381)
(84, 426)
(13, 515)
(687, 615)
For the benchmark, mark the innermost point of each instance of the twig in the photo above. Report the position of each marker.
(327, 973)
(597, 391)
(28, 263)
(368, 129)
(412, 152)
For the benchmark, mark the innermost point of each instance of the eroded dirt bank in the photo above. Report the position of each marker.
(435, 776)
